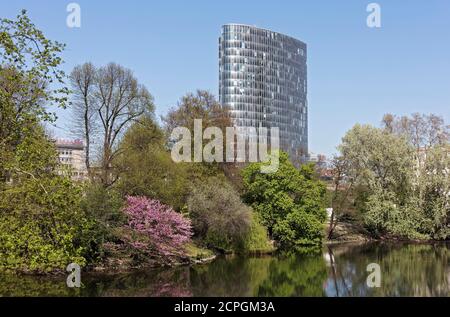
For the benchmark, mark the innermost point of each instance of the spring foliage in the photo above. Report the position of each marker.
(159, 230)
(289, 202)
(401, 188)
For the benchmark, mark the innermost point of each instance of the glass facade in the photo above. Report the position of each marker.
(262, 78)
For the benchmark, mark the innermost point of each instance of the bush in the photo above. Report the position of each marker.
(103, 207)
(290, 202)
(218, 215)
(257, 239)
(298, 229)
(157, 230)
(42, 227)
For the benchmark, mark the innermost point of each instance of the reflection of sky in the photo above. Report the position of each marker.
(344, 287)
(406, 270)
(346, 280)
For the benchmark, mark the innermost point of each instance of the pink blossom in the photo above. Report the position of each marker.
(167, 230)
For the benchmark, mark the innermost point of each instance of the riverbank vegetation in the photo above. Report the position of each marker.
(396, 179)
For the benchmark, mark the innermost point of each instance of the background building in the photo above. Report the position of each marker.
(262, 78)
(71, 153)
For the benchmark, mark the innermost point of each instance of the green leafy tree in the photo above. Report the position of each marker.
(41, 225)
(400, 188)
(289, 202)
(30, 80)
(433, 191)
(146, 166)
(381, 164)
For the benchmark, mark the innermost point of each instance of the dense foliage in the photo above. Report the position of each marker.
(41, 226)
(218, 215)
(146, 166)
(400, 189)
(289, 202)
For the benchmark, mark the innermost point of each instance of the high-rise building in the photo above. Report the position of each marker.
(262, 79)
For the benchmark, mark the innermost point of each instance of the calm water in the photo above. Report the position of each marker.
(406, 270)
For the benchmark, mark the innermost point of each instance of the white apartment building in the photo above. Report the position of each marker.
(72, 154)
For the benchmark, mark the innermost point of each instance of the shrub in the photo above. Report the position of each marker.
(103, 207)
(42, 227)
(299, 228)
(158, 230)
(218, 215)
(257, 239)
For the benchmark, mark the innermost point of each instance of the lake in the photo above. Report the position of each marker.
(339, 270)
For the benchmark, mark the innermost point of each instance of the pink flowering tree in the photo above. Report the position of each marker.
(161, 231)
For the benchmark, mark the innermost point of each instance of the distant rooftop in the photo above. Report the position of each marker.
(68, 143)
(264, 29)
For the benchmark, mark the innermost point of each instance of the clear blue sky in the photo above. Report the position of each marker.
(355, 73)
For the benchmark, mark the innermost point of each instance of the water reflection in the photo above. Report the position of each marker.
(406, 270)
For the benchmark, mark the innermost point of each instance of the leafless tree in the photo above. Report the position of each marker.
(120, 100)
(107, 99)
(388, 122)
(422, 131)
(84, 114)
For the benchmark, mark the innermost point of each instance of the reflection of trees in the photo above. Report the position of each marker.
(295, 275)
(406, 270)
(288, 275)
(154, 283)
(231, 276)
(31, 286)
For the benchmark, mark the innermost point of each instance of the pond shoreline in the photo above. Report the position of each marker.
(207, 259)
(338, 270)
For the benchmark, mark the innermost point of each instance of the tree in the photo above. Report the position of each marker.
(399, 189)
(30, 80)
(343, 186)
(84, 112)
(421, 130)
(201, 105)
(433, 191)
(160, 231)
(380, 165)
(378, 159)
(42, 227)
(290, 202)
(146, 167)
(112, 98)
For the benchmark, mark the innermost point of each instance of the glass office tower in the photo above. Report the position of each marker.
(262, 78)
